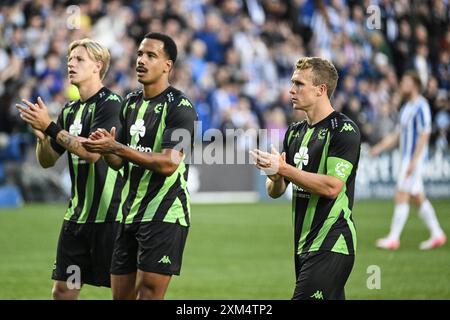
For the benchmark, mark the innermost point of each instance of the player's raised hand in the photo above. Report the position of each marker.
(36, 114)
(281, 162)
(101, 141)
(26, 114)
(268, 162)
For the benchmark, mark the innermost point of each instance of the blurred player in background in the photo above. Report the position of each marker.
(156, 206)
(320, 158)
(414, 133)
(91, 220)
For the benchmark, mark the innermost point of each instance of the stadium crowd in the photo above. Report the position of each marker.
(236, 56)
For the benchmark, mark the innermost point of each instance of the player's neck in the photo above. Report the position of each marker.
(318, 113)
(154, 89)
(413, 96)
(88, 89)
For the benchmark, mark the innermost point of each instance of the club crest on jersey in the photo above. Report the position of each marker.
(342, 169)
(322, 134)
(158, 108)
(76, 127)
(301, 158)
(91, 107)
(137, 130)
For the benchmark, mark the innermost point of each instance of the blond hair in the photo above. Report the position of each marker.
(323, 72)
(95, 51)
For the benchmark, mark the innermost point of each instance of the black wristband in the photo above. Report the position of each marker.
(52, 130)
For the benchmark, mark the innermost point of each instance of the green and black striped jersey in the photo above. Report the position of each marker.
(165, 121)
(95, 195)
(331, 147)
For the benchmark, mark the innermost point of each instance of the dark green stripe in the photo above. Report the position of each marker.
(156, 201)
(145, 179)
(126, 108)
(340, 204)
(126, 188)
(340, 246)
(74, 158)
(304, 143)
(176, 211)
(290, 137)
(183, 221)
(107, 194)
(65, 114)
(312, 203)
(84, 215)
(88, 195)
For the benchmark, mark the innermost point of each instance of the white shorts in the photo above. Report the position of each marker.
(412, 184)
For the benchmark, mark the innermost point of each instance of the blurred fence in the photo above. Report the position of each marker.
(376, 179)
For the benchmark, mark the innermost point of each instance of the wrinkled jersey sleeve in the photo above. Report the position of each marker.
(179, 131)
(343, 151)
(107, 114)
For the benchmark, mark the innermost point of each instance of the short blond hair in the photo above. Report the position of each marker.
(323, 72)
(95, 51)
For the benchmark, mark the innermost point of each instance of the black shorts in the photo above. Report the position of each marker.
(150, 247)
(88, 248)
(322, 275)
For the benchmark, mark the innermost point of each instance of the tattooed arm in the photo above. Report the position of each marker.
(47, 156)
(73, 145)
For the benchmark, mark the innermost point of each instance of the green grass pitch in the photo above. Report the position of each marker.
(238, 251)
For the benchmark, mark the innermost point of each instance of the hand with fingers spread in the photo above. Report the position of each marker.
(101, 141)
(270, 163)
(36, 114)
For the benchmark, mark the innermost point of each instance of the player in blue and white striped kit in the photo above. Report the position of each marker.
(414, 133)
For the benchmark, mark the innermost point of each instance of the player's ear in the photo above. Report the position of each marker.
(169, 66)
(98, 66)
(322, 89)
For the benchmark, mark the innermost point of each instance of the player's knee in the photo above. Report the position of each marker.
(130, 295)
(123, 293)
(150, 292)
(417, 200)
(401, 197)
(416, 203)
(60, 291)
